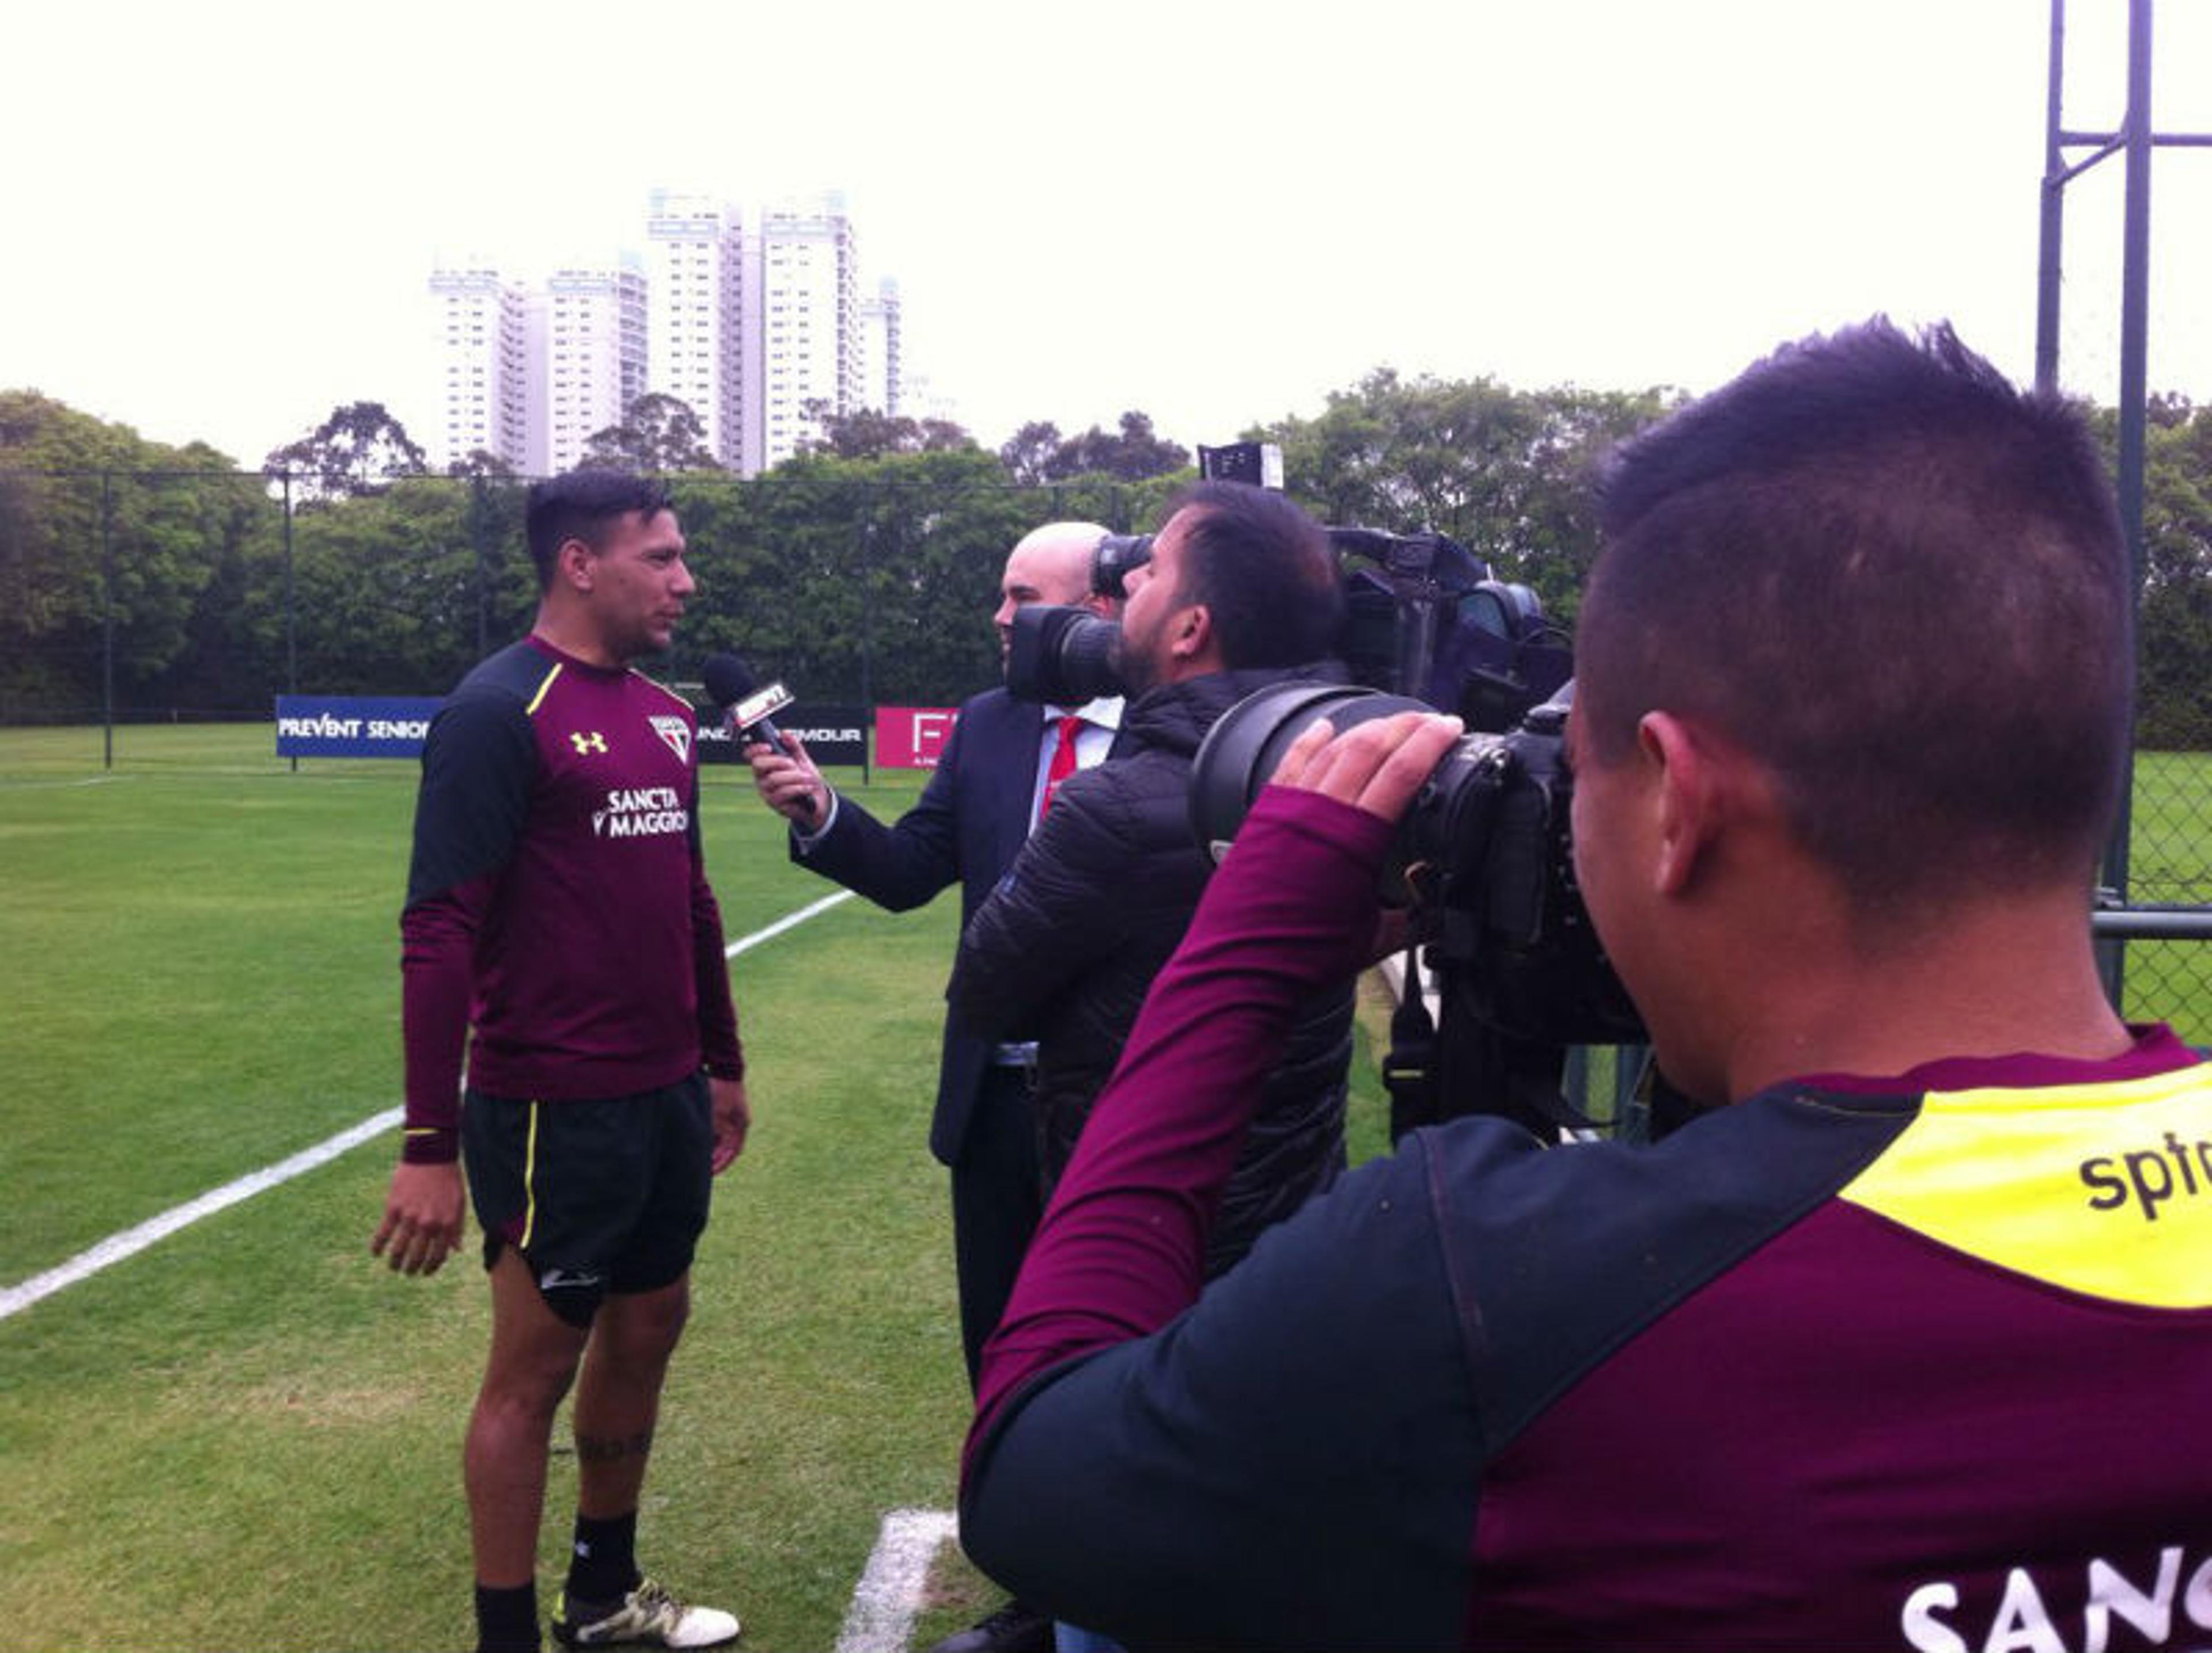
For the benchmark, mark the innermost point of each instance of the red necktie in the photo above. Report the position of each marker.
(1063, 760)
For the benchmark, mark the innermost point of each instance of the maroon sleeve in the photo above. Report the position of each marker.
(437, 937)
(477, 767)
(1121, 1247)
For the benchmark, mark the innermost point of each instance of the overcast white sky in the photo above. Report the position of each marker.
(221, 216)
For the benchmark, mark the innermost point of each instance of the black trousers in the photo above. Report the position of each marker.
(997, 1200)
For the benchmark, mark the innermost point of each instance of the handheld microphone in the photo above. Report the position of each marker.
(748, 708)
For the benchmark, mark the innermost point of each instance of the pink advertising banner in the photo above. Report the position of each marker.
(910, 737)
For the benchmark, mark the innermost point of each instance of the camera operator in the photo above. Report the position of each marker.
(1903, 1340)
(1241, 592)
(1003, 757)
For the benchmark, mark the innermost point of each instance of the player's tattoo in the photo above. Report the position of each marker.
(605, 1449)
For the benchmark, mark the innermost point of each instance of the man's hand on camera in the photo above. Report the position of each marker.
(1377, 766)
(788, 782)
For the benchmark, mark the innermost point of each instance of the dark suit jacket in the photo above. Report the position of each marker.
(968, 825)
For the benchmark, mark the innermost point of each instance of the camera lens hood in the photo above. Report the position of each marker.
(1063, 656)
(1242, 751)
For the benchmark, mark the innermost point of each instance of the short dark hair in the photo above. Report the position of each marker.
(1899, 583)
(1265, 572)
(578, 505)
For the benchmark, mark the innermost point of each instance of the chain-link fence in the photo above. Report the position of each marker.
(134, 596)
(203, 595)
(2168, 870)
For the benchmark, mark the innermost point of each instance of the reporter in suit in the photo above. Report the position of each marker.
(967, 827)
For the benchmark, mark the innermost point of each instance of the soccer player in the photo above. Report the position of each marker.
(559, 926)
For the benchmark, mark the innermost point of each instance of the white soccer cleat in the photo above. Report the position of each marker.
(648, 1613)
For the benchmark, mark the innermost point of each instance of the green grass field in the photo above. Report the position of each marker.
(248, 1434)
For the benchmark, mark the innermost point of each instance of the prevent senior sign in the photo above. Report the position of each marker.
(332, 725)
(355, 725)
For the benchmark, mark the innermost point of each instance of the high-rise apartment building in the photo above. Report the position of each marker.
(802, 281)
(482, 396)
(593, 349)
(880, 375)
(695, 269)
(753, 322)
(530, 375)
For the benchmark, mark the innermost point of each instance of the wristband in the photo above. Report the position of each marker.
(429, 1144)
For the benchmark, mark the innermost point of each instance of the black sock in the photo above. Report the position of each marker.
(603, 1566)
(506, 1619)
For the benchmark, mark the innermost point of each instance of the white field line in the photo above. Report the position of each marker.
(132, 1241)
(888, 1596)
(785, 923)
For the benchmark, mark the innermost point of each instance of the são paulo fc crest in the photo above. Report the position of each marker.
(676, 734)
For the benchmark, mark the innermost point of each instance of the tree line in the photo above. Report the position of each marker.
(156, 577)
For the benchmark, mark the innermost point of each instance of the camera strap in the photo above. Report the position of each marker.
(1409, 1070)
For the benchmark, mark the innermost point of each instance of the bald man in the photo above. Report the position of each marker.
(968, 826)
(992, 778)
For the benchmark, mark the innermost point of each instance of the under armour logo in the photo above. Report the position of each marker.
(593, 742)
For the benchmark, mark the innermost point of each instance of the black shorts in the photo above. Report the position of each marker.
(597, 1196)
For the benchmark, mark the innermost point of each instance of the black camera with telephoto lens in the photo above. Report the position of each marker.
(1483, 858)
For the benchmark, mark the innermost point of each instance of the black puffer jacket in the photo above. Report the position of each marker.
(1064, 950)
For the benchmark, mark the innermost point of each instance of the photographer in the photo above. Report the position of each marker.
(1902, 1341)
(1241, 592)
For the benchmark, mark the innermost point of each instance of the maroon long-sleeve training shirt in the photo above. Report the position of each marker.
(1919, 1362)
(556, 902)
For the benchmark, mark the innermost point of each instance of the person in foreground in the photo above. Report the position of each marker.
(1903, 1341)
(558, 903)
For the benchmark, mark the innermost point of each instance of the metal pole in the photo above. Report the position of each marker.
(291, 620)
(2049, 254)
(2155, 923)
(2135, 330)
(291, 624)
(2135, 285)
(479, 526)
(868, 633)
(107, 618)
